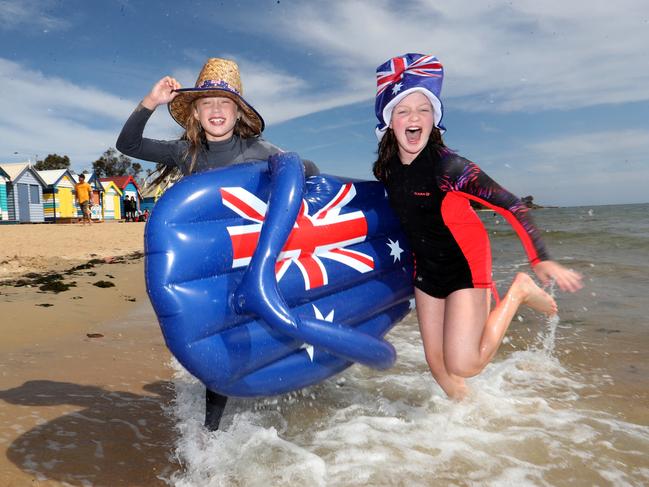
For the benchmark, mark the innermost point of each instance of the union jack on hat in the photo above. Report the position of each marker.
(402, 75)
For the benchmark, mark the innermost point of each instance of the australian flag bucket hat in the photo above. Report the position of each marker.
(398, 77)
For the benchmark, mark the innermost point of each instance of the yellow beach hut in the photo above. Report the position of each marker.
(112, 201)
(58, 195)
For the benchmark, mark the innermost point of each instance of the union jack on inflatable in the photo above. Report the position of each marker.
(264, 283)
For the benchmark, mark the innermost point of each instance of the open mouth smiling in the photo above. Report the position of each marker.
(413, 134)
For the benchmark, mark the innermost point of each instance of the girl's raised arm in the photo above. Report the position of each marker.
(161, 93)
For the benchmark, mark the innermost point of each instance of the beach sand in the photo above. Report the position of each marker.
(83, 372)
(41, 248)
(84, 381)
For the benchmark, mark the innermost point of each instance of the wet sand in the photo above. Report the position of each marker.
(80, 411)
(83, 374)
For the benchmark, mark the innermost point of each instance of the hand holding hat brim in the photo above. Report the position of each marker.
(163, 92)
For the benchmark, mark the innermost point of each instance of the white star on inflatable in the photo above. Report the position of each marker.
(395, 250)
(396, 88)
(330, 318)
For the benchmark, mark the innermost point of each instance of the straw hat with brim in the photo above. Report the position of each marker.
(219, 77)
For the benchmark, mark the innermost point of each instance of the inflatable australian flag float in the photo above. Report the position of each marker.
(265, 283)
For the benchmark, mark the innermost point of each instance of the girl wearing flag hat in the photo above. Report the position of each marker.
(430, 188)
(221, 128)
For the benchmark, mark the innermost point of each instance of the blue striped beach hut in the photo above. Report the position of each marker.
(24, 193)
(4, 210)
(58, 195)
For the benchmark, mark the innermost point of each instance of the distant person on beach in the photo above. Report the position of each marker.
(221, 128)
(133, 209)
(83, 194)
(127, 208)
(430, 187)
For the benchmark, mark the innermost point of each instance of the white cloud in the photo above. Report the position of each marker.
(504, 56)
(277, 95)
(526, 56)
(604, 146)
(589, 168)
(43, 115)
(280, 96)
(31, 14)
(501, 56)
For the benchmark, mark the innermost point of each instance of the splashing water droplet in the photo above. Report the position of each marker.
(548, 338)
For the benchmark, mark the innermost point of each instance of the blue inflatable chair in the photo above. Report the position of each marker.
(265, 283)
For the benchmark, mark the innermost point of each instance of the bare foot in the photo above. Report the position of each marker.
(460, 393)
(457, 390)
(533, 296)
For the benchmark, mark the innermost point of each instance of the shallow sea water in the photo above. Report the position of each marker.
(563, 403)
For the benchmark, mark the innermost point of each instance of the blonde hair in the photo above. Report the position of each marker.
(196, 139)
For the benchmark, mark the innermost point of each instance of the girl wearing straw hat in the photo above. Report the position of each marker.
(221, 129)
(430, 187)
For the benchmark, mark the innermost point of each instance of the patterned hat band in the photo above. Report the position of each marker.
(209, 83)
(220, 78)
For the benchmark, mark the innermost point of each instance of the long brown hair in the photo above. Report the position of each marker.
(194, 134)
(389, 147)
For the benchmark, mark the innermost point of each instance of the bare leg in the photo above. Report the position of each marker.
(214, 407)
(473, 335)
(522, 291)
(430, 313)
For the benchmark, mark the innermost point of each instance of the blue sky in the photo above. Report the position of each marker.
(550, 98)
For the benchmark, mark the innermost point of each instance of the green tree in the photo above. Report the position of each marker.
(53, 161)
(529, 202)
(136, 169)
(111, 163)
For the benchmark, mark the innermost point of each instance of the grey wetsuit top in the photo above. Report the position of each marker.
(174, 152)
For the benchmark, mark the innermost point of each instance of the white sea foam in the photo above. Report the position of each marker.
(521, 425)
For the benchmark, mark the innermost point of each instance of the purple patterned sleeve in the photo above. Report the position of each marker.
(462, 176)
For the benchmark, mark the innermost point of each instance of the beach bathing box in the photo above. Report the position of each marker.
(97, 196)
(4, 212)
(24, 193)
(112, 198)
(128, 187)
(58, 195)
(152, 192)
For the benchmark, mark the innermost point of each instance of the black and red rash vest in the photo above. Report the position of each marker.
(431, 197)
